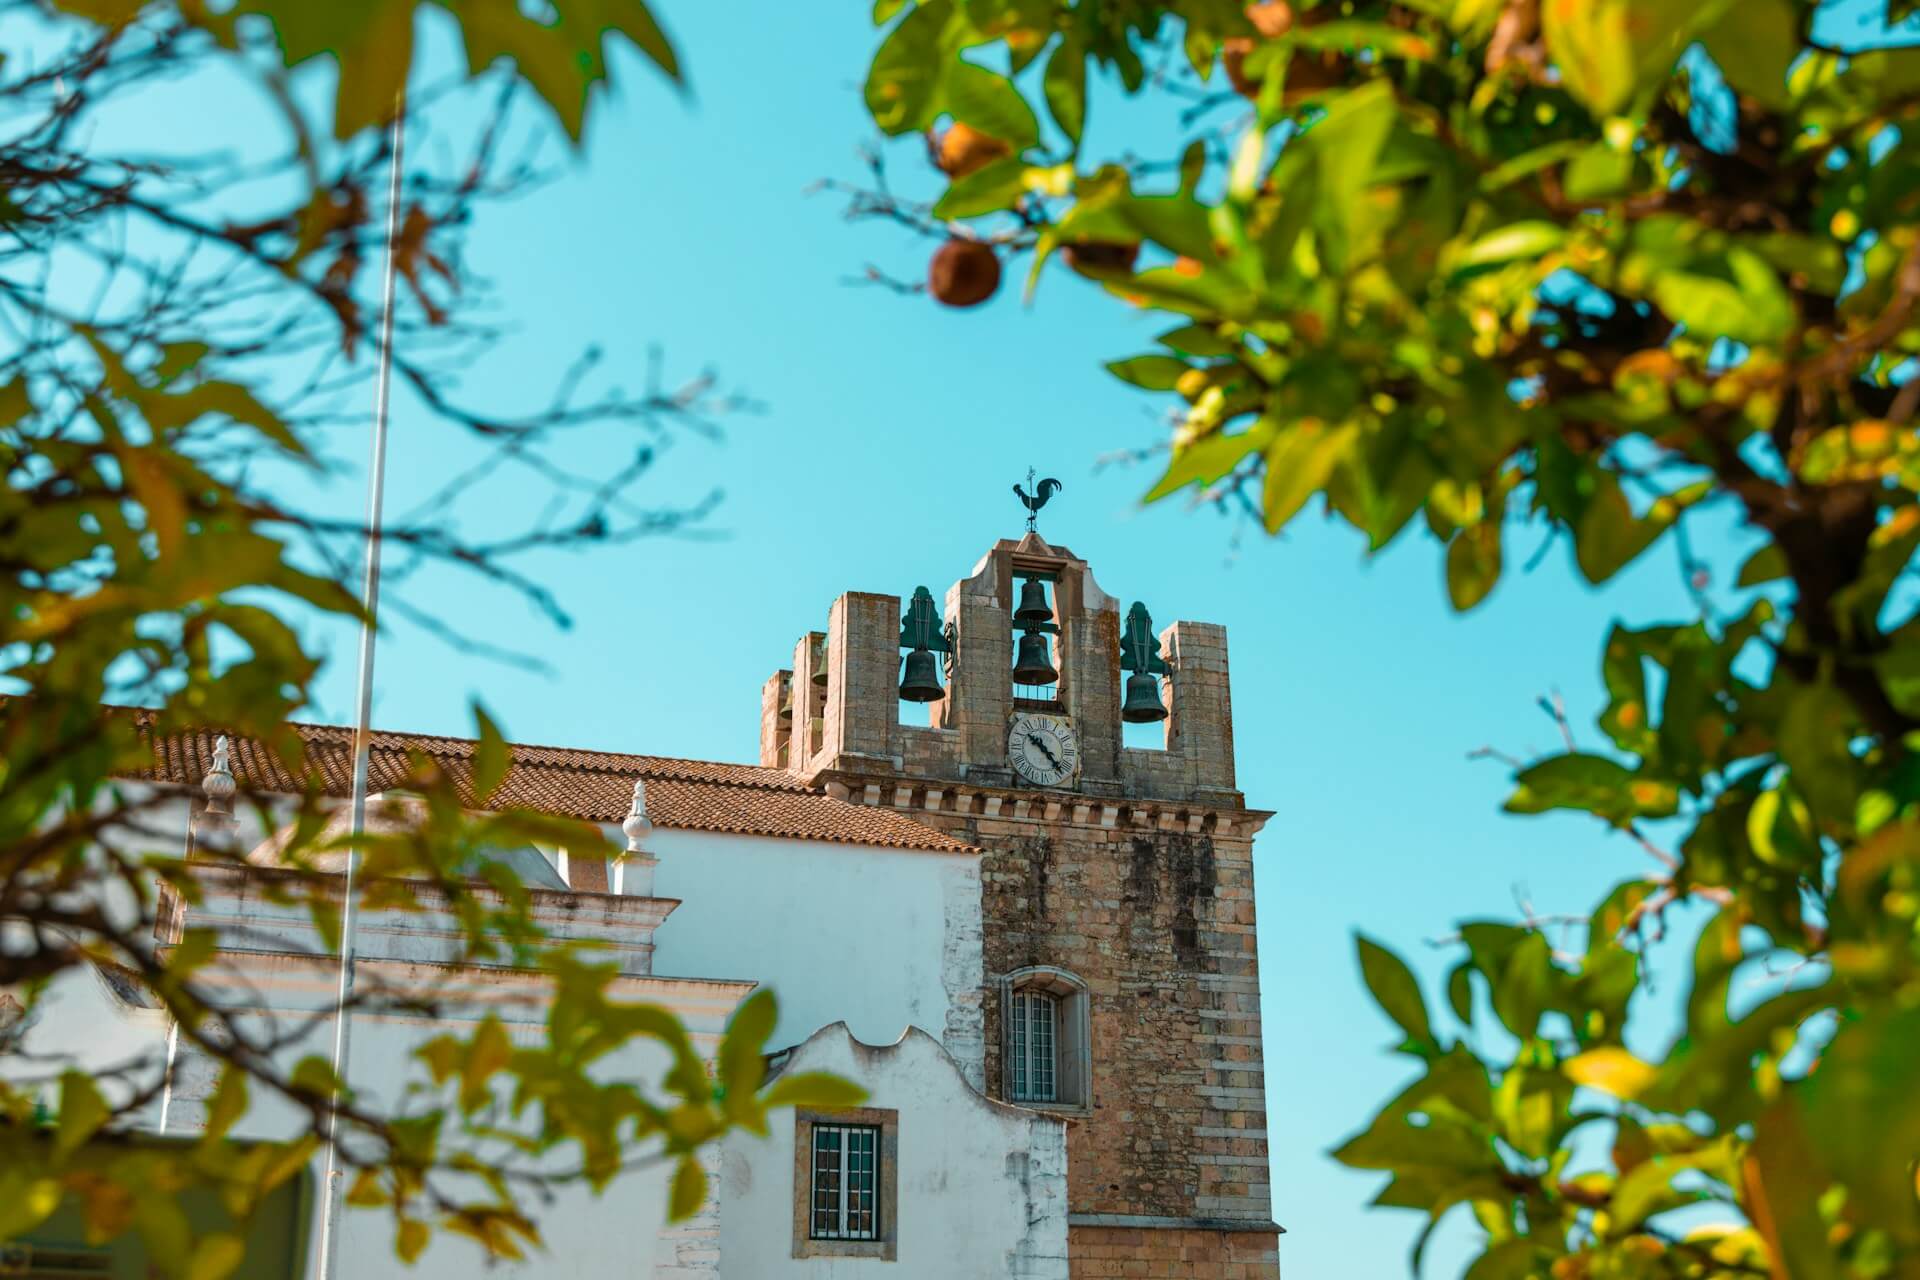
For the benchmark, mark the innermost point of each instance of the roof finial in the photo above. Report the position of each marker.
(218, 786)
(1041, 492)
(637, 826)
(213, 825)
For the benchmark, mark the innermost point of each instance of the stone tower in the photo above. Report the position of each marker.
(1117, 888)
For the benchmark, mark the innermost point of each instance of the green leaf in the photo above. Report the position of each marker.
(492, 757)
(1347, 141)
(228, 1104)
(216, 1256)
(1600, 170)
(1815, 734)
(991, 104)
(1207, 459)
(1592, 784)
(908, 71)
(1473, 564)
(26, 1201)
(1609, 536)
(82, 1112)
(1299, 461)
(1589, 43)
(1610, 1069)
(1065, 87)
(1153, 373)
(1198, 340)
(1508, 1260)
(1768, 564)
(1749, 305)
(741, 1066)
(1515, 240)
(563, 62)
(1754, 45)
(1395, 990)
(410, 1239)
(987, 189)
(689, 1190)
(814, 1090)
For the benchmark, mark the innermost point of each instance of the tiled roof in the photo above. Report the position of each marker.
(696, 795)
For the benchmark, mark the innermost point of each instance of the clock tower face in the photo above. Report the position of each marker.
(1043, 749)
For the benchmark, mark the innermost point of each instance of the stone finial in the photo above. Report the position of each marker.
(637, 825)
(212, 828)
(633, 869)
(218, 786)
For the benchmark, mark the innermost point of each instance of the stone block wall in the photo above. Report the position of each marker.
(1098, 1253)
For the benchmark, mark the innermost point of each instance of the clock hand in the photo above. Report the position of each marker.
(1041, 743)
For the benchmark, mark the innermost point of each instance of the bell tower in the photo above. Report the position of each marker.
(1116, 881)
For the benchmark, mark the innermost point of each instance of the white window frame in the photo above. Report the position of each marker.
(1065, 996)
(850, 1182)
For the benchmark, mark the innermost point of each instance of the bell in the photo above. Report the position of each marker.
(1033, 604)
(1143, 700)
(1033, 662)
(920, 678)
(820, 665)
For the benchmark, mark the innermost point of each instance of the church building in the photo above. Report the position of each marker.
(1031, 943)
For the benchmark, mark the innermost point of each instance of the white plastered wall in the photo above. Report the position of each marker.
(881, 939)
(981, 1186)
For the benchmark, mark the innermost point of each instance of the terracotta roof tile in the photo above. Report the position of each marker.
(696, 795)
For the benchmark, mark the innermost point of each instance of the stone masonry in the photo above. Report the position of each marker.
(1136, 877)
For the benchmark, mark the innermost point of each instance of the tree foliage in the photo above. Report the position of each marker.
(184, 334)
(1588, 270)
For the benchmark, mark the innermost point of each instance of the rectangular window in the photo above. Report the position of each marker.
(1032, 1040)
(845, 1199)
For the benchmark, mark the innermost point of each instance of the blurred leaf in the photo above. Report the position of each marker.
(815, 1090)
(689, 1190)
(1473, 564)
(1594, 785)
(1065, 87)
(991, 104)
(1154, 373)
(1395, 990)
(1754, 45)
(82, 1112)
(1610, 1069)
(906, 77)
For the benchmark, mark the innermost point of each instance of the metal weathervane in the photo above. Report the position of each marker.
(1041, 493)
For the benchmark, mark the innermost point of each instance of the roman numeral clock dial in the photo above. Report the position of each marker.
(1043, 749)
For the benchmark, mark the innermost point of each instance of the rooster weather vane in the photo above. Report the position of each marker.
(1041, 492)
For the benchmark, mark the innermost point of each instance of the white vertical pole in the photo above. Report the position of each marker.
(332, 1193)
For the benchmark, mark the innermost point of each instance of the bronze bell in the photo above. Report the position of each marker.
(920, 678)
(1143, 703)
(1033, 604)
(1033, 661)
(820, 665)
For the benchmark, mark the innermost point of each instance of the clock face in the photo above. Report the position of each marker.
(1043, 749)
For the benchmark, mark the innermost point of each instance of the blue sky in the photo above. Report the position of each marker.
(891, 434)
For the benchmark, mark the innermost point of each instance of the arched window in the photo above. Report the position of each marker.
(1045, 1057)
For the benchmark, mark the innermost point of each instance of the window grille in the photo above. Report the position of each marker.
(1034, 1015)
(845, 1186)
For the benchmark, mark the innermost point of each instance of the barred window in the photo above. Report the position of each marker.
(1034, 1015)
(845, 1200)
(1045, 1046)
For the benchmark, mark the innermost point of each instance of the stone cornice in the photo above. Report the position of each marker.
(971, 800)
